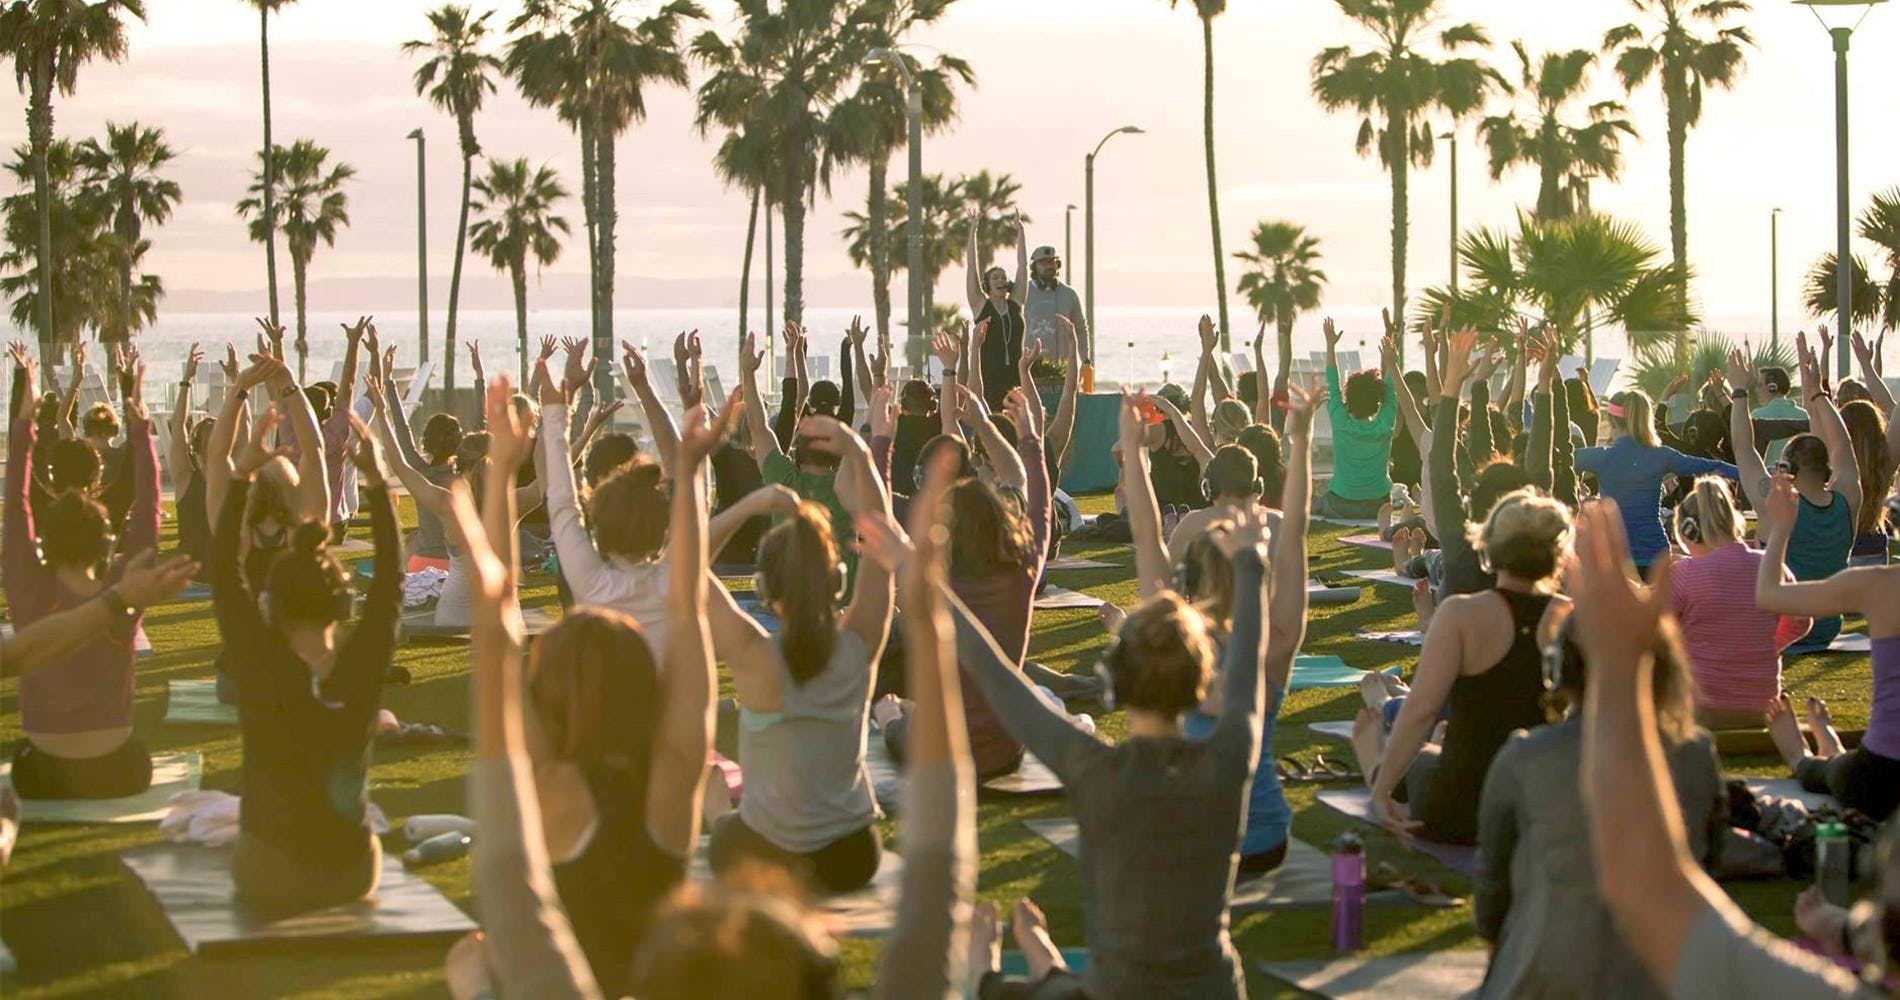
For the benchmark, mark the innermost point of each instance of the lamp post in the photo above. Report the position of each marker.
(1774, 278)
(914, 347)
(1088, 232)
(422, 256)
(1843, 252)
(1068, 233)
(1453, 136)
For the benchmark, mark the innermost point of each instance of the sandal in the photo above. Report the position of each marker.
(1420, 890)
(1291, 770)
(1331, 771)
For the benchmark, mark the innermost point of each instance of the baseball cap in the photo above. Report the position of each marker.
(1044, 253)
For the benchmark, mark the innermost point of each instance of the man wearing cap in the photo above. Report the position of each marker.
(1791, 416)
(1049, 298)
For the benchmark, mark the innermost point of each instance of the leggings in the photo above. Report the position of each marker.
(1262, 863)
(1059, 984)
(124, 772)
(274, 881)
(1859, 778)
(844, 865)
(1333, 505)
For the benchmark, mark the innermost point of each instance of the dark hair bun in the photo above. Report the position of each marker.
(310, 537)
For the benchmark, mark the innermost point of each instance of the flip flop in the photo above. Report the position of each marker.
(1291, 770)
(1332, 771)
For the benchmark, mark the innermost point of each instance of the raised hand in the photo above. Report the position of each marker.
(1333, 335)
(1026, 363)
(1460, 363)
(857, 331)
(1021, 413)
(1210, 337)
(510, 438)
(794, 338)
(970, 406)
(1388, 354)
(1863, 352)
(1133, 422)
(750, 355)
(133, 377)
(273, 334)
(547, 347)
(366, 453)
(946, 347)
(254, 453)
(1782, 506)
(883, 412)
(475, 359)
(146, 581)
(264, 368)
(981, 332)
(192, 357)
(230, 364)
(825, 434)
(354, 332)
(698, 438)
(550, 393)
(1740, 374)
(883, 541)
(1301, 404)
(389, 361)
(373, 388)
(634, 364)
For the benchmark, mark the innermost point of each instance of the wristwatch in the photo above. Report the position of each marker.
(115, 604)
(1738, 394)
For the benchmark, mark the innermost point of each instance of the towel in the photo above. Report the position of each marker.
(423, 586)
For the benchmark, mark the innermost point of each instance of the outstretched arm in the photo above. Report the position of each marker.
(633, 366)
(1741, 433)
(1287, 608)
(764, 442)
(1007, 465)
(972, 269)
(1153, 572)
(1062, 427)
(1190, 436)
(1825, 418)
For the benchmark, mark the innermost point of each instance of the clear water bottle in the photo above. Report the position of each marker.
(1832, 870)
(1349, 893)
(437, 849)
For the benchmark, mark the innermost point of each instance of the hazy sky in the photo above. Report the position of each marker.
(1053, 76)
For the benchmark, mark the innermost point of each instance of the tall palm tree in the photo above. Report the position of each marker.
(743, 161)
(1283, 279)
(1880, 225)
(80, 273)
(945, 230)
(455, 77)
(311, 209)
(264, 9)
(1666, 43)
(1566, 153)
(1207, 11)
(992, 199)
(875, 119)
(123, 176)
(517, 222)
(1865, 298)
(780, 79)
(48, 40)
(1393, 86)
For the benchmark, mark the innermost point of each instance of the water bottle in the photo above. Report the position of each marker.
(1832, 873)
(437, 849)
(1349, 893)
(421, 827)
(1088, 377)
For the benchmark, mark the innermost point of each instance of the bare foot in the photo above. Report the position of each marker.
(986, 953)
(886, 709)
(1385, 518)
(1819, 919)
(1827, 742)
(1393, 685)
(1368, 741)
(465, 970)
(1786, 733)
(1424, 603)
(1374, 691)
(1031, 929)
(1401, 550)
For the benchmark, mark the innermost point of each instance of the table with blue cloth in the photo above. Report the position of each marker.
(1091, 468)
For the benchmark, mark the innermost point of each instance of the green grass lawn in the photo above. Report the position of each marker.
(79, 925)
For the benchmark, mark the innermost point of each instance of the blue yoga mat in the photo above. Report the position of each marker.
(1325, 672)
(1077, 959)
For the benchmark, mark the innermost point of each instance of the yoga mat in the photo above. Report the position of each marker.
(1410, 637)
(192, 884)
(195, 703)
(1425, 975)
(1367, 541)
(421, 626)
(171, 773)
(1031, 777)
(1382, 576)
(869, 912)
(1319, 593)
(1337, 730)
(1357, 803)
(195, 592)
(1325, 672)
(1077, 562)
(1013, 963)
(749, 603)
(1846, 642)
(1303, 881)
(1348, 522)
(1054, 597)
(1788, 788)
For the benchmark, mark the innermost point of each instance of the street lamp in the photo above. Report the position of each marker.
(422, 263)
(1088, 232)
(1453, 136)
(1774, 278)
(914, 227)
(1068, 234)
(1843, 252)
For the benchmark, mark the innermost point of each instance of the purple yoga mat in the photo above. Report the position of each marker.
(1357, 803)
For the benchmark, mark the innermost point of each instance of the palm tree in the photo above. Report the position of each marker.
(456, 78)
(264, 9)
(518, 221)
(1880, 225)
(80, 275)
(992, 199)
(48, 40)
(874, 118)
(1864, 297)
(1566, 153)
(946, 230)
(311, 208)
(1207, 11)
(744, 162)
(1686, 62)
(780, 80)
(582, 59)
(122, 174)
(1393, 86)
(1283, 279)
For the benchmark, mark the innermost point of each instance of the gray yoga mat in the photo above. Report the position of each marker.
(1032, 777)
(1357, 803)
(1788, 788)
(869, 912)
(1303, 881)
(1055, 598)
(1077, 562)
(192, 884)
(1319, 593)
(1337, 730)
(1422, 975)
(1383, 576)
(420, 625)
(195, 703)
(1409, 637)
(171, 773)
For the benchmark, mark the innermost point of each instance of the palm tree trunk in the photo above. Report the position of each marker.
(1213, 186)
(455, 280)
(795, 249)
(1676, 103)
(1397, 163)
(589, 199)
(745, 274)
(604, 281)
(39, 124)
(1283, 342)
(1551, 201)
(299, 267)
(878, 204)
(518, 279)
(270, 166)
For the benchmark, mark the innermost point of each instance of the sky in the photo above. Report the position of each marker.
(1053, 77)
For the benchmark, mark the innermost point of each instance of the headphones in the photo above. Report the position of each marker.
(1209, 493)
(839, 574)
(342, 606)
(1688, 526)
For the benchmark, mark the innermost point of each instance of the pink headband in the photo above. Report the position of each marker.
(1614, 410)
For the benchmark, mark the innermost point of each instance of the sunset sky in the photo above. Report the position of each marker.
(1053, 76)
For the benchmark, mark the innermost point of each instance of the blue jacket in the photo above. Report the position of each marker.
(1632, 474)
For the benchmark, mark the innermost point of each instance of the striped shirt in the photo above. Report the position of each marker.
(1734, 647)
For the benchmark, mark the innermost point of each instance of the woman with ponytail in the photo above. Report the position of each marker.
(311, 694)
(805, 694)
(1734, 647)
(1630, 470)
(1867, 432)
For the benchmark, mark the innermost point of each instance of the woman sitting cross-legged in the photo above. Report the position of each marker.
(1631, 468)
(1866, 778)
(77, 711)
(805, 695)
(310, 696)
(1535, 895)
(1483, 657)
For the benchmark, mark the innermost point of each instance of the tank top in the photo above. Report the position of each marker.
(1883, 718)
(1484, 709)
(194, 525)
(432, 541)
(1002, 349)
(610, 888)
(806, 786)
(1817, 549)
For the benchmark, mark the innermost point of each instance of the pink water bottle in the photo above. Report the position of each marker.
(1349, 893)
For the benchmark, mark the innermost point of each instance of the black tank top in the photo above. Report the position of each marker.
(194, 526)
(1484, 710)
(1002, 349)
(610, 889)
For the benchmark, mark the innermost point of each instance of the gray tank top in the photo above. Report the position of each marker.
(805, 783)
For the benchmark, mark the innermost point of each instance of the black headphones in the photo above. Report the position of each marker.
(1209, 493)
(1688, 526)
